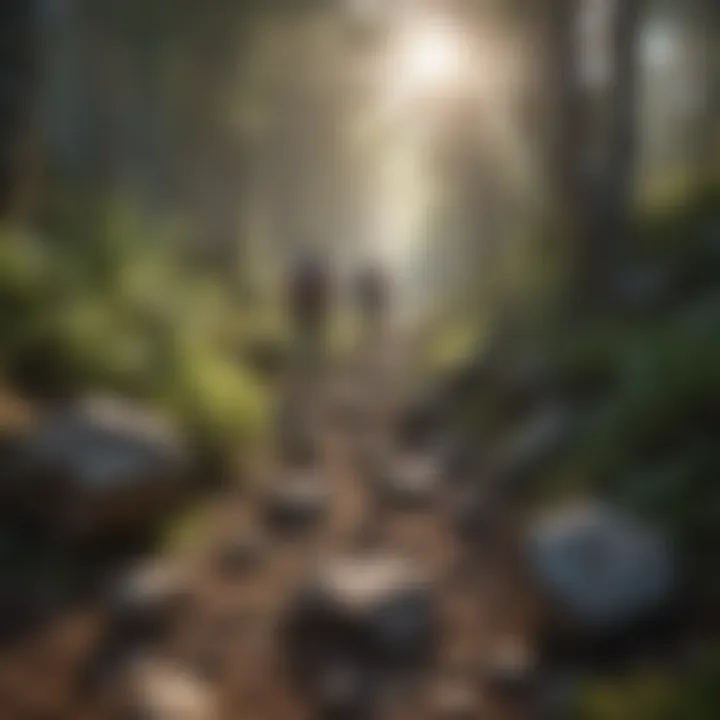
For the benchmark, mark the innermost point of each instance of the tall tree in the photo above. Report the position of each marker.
(17, 85)
(707, 67)
(615, 192)
(594, 194)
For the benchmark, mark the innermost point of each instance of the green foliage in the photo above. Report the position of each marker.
(666, 381)
(649, 382)
(223, 404)
(694, 693)
(449, 343)
(109, 303)
(643, 379)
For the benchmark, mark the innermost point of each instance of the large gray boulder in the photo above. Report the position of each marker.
(101, 465)
(602, 569)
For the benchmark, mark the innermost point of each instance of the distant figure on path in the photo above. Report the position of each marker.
(372, 293)
(309, 304)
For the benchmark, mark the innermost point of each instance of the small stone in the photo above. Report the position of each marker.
(157, 691)
(148, 598)
(298, 503)
(372, 608)
(410, 482)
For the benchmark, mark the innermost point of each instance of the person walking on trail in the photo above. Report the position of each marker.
(309, 305)
(372, 298)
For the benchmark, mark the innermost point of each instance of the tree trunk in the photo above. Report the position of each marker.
(616, 186)
(567, 143)
(17, 85)
(564, 101)
(707, 66)
(596, 197)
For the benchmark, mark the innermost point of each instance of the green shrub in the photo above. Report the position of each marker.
(109, 304)
(694, 693)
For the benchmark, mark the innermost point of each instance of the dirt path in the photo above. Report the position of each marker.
(483, 598)
(230, 638)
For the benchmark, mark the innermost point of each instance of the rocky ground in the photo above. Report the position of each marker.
(347, 581)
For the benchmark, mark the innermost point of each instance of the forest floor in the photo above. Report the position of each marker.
(231, 637)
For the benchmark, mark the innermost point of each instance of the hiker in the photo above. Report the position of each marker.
(372, 298)
(309, 301)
